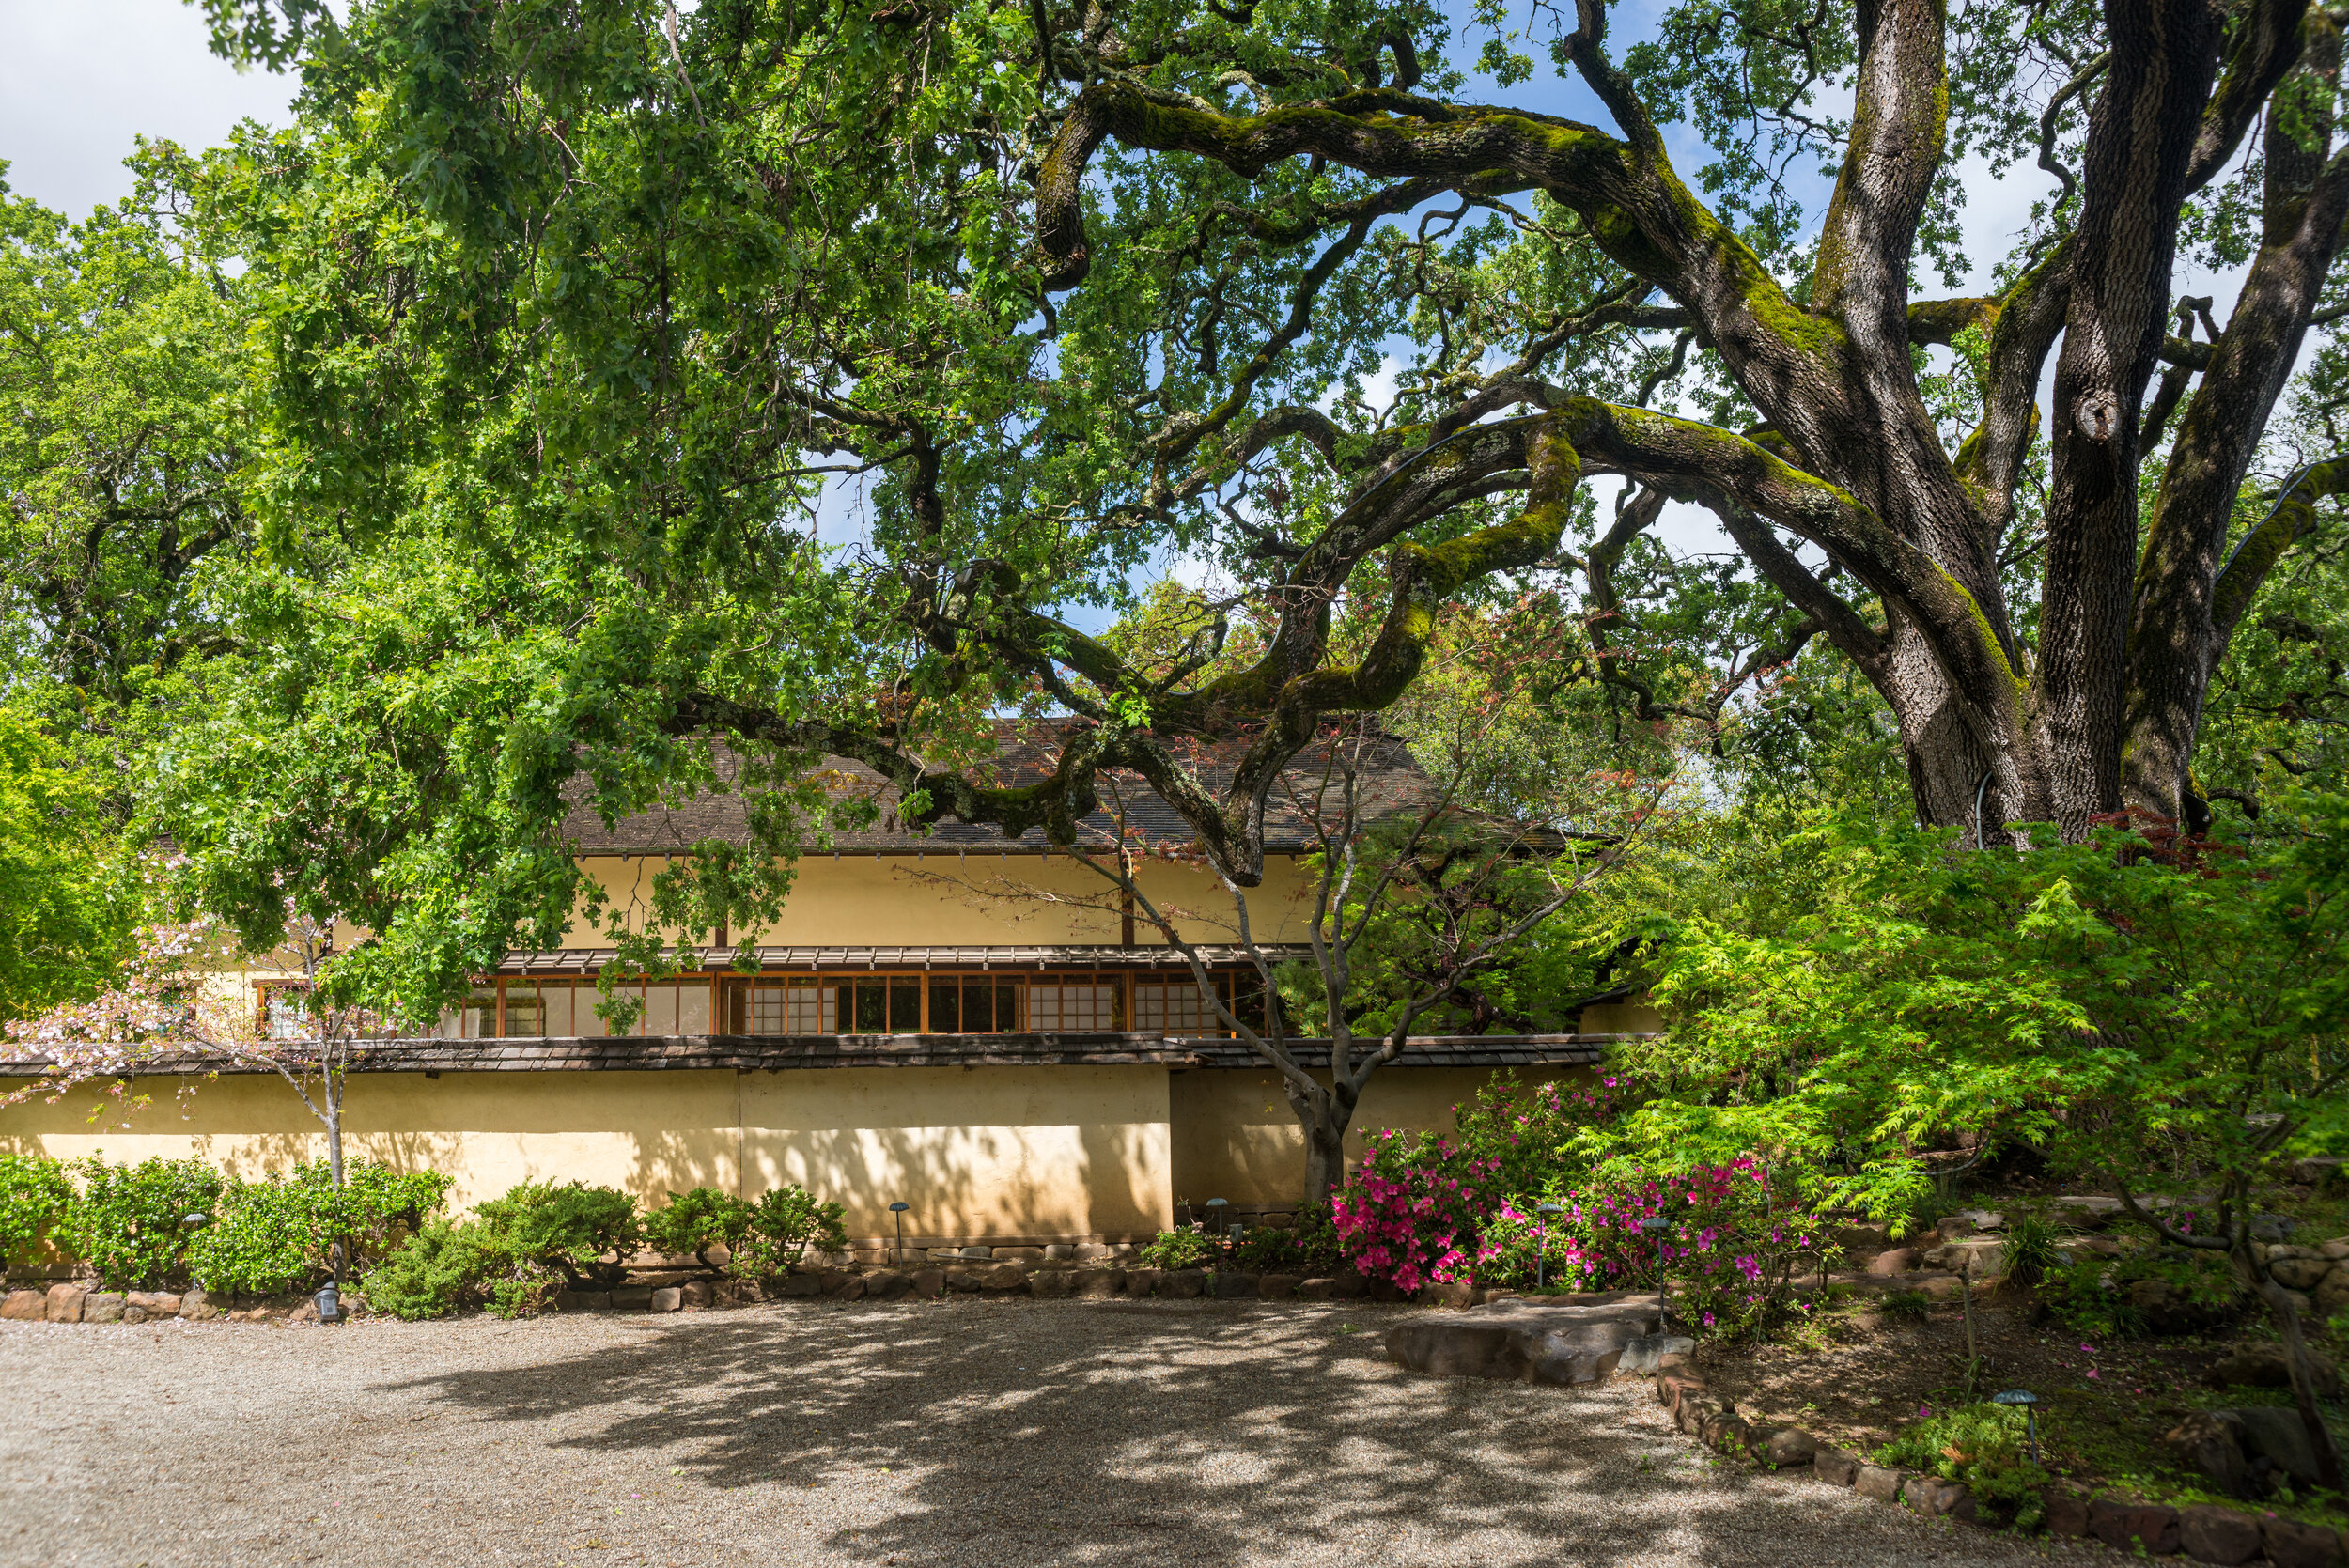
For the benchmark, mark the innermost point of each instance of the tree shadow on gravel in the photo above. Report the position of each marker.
(1090, 1431)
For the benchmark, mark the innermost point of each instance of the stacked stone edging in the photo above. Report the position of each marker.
(2205, 1532)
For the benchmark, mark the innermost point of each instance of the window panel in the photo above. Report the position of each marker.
(905, 1006)
(659, 1015)
(946, 1006)
(525, 1018)
(693, 1008)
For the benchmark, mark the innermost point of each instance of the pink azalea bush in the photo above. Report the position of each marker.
(1423, 1209)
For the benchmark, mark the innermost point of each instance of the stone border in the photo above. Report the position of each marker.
(2205, 1532)
(1050, 1280)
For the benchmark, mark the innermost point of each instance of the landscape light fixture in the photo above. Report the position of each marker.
(1215, 1218)
(1655, 1225)
(2025, 1398)
(898, 1210)
(1541, 1249)
(191, 1221)
(330, 1303)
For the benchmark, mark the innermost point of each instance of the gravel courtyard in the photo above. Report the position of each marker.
(956, 1431)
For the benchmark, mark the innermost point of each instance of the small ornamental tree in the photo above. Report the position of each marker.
(172, 1008)
(2162, 1015)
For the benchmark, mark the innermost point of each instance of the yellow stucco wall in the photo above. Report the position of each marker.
(980, 899)
(1235, 1137)
(978, 1152)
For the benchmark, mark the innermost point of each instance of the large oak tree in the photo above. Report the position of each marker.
(574, 307)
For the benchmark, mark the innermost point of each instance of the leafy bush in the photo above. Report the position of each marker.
(1906, 1306)
(2158, 1290)
(697, 1220)
(512, 1257)
(783, 1224)
(1182, 1248)
(570, 1228)
(129, 1224)
(1522, 1246)
(274, 1235)
(1985, 1445)
(1309, 1246)
(35, 1199)
(443, 1268)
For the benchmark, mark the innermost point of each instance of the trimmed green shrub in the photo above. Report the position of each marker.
(584, 1232)
(782, 1225)
(1308, 1247)
(274, 1235)
(513, 1256)
(36, 1200)
(442, 1269)
(129, 1224)
(697, 1220)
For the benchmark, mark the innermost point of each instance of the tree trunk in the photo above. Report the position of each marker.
(335, 1255)
(2303, 1382)
(1325, 1118)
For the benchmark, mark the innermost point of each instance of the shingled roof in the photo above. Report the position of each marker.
(1391, 781)
(776, 1053)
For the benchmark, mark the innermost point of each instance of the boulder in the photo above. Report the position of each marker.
(154, 1303)
(1892, 1260)
(1645, 1354)
(1941, 1288)
(2332, 1297)
(929, 1282)
(850, 1288)
(668, 1298)
(584, 1301)
(2066, 1509)
(2336, 1249)
(1314, 1290)
(1093, 1251)
(2209, 1534)
(1568, 1339)
(1278, 1287)
(25, 1306)
(632, 1298)
(1232, 1285)
(2125, 1523)
(697, 1293)
(1788, 1447)
(1059, 1251)
(2292, 1544)
(1004, 1275)
(2275, 1432)
(1455, 1294)
(1053, 1283)
(1143, 1282)
(1876, 1481)
(196, 1305)
(1346, 1285)
(64, 1303)
(2265, 1365)
(1021, 1254)
(1836, 1466)
(102, 1306)
(794, 1286)
(1954, 1226)
(887, 1285)
(1095, 1283)
(2211, 1443)
(1182, 1283)
(2299, 1273)
(1936, 1498)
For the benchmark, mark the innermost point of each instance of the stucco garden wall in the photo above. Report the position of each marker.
(979, 1152)
(1235, 1137)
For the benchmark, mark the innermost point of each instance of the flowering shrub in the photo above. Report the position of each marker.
(1731, 1246)
(1411, 1212)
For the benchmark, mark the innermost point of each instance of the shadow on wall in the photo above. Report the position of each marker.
(1127, 1429)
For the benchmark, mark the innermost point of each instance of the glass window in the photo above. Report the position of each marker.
(693, 1006)
(525, 1014)
(1072, 1007)
(905, 1006)
(946, 1006)
(659, 1015)
(555, 998)
(868, 1010)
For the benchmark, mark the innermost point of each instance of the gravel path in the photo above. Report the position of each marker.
(960, 1432)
